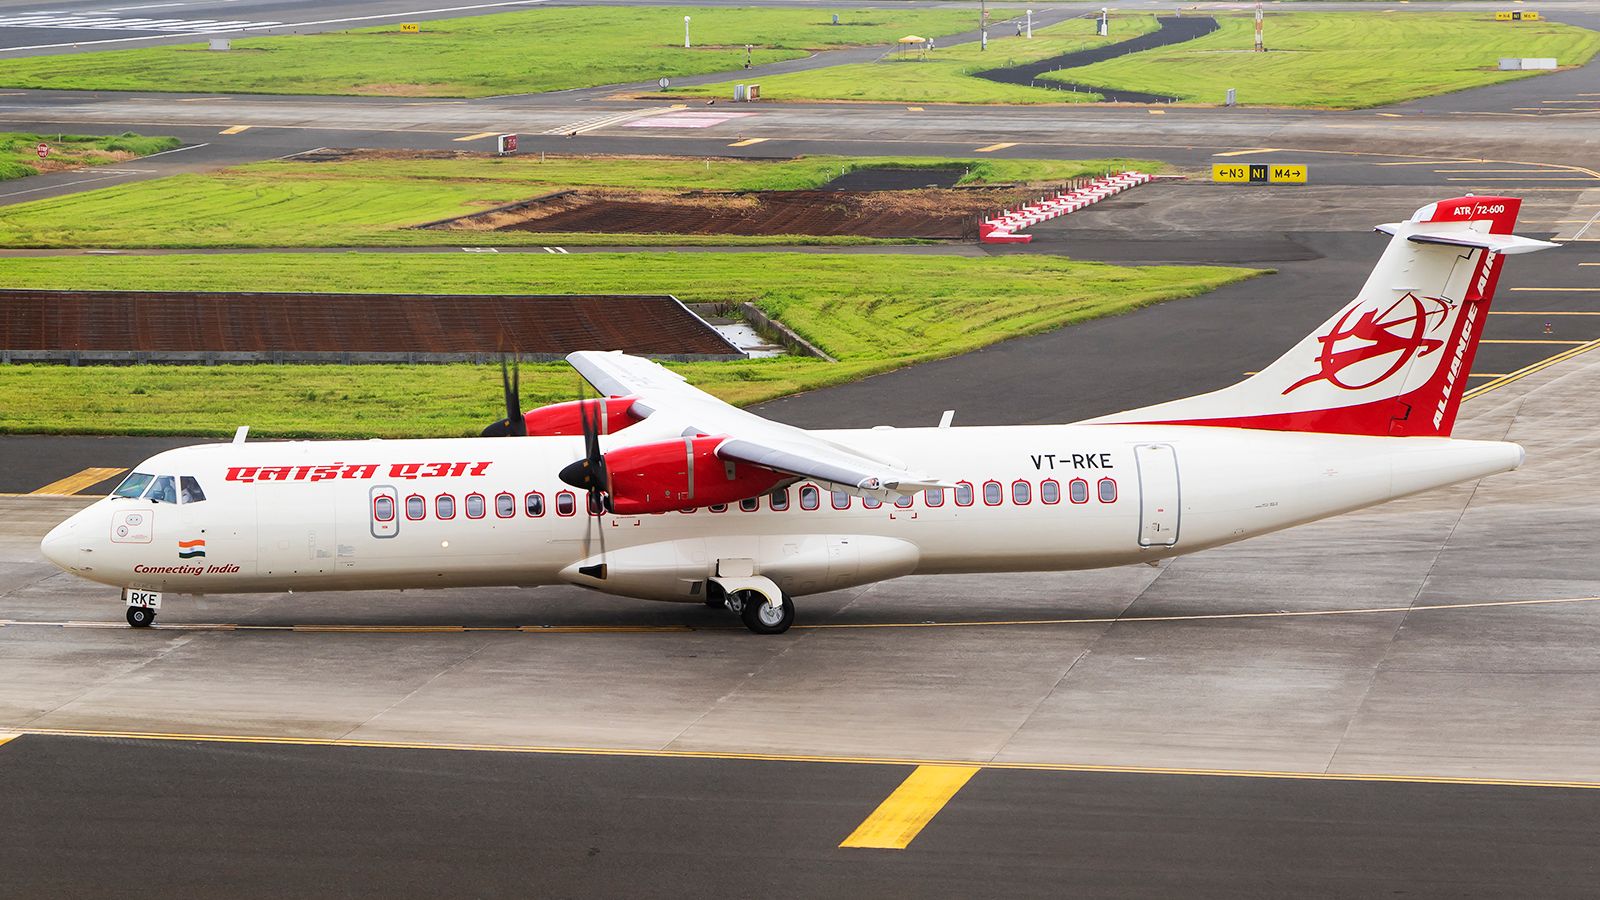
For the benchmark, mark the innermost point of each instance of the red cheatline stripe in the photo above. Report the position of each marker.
(197, 542)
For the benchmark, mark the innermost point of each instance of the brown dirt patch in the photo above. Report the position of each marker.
(937, 214)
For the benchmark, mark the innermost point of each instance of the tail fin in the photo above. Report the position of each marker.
(1395, 360)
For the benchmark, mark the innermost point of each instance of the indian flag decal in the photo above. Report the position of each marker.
(192, 549)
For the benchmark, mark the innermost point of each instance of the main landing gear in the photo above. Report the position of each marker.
(752, 599)
(141, 616)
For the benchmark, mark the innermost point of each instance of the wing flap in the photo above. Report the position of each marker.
(673, 406)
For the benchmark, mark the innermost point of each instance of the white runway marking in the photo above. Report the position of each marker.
(103, 22)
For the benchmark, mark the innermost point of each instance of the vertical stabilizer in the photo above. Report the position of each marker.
(1394, 361)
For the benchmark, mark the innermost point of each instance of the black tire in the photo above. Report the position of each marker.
(758, 617)
(141, 616)
(716, 597)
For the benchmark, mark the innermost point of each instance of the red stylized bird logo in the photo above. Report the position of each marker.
(1398, 331)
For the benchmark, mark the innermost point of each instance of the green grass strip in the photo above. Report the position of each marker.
(873, 312)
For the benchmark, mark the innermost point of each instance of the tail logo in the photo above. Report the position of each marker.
(192, 549)
(1397, 334)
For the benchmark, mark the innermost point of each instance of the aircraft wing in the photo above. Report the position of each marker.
(673, 405)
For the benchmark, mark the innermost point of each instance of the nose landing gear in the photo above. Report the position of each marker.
(141, 616)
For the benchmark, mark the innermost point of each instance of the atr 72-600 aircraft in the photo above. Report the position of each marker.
(660, 491)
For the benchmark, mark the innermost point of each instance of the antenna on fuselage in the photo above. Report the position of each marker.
(240, 434)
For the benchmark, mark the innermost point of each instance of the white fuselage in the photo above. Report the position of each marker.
(336, 515)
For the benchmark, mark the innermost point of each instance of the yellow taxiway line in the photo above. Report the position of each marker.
(804, 758)
(903, 815)
(236, 129)
(993, 147)
(72, 484)
(1530, 369)
(748, 142)
(474, 137)
(819, 626)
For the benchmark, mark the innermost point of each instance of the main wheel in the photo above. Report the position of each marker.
(760, 617)
(141, 616)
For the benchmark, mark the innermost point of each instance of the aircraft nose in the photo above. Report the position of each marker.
(63, 543)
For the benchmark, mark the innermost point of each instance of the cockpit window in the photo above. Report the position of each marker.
(133, 485)
(189, 489)
(163, 490)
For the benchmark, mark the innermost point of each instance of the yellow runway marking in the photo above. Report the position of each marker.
(473, 137)
(1530, 369)
(902, 816)
(747, 142)
(1391, 115)
(1486, 374)
(913, 109)
(1590, 264)
(837, 626)
(993, 147)
(1249, 152)
(201, 99)
(237, 129)
(796, 757)
(1568, 343)
(1546, 178)
(1157, 112)
(72, 484)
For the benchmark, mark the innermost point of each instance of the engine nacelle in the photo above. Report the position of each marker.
(681, 474)
(607, 415)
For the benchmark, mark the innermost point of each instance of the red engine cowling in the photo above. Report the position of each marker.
(607, 415)
(680, 474)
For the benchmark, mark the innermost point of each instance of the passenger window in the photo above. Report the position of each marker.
(533, 504)
(133, 485)
(991, 493)
(383, 508)
(444, 506)
(1108, 491)
(475, 507)
(163, 490)
(1078, 490)
(1049, 491)
(189, 489)
(903, 502)
(871, 502)
(416, 507)
(841, 500)
(718, 507)
(1021, 493)
(750, 504)
(566, 503)
(505, 505)
(934, 497)
(963, 493)
(810, 497)
(779, 501)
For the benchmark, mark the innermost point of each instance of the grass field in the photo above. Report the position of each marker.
(544, 49)
(1341, 60)
(945, 76)
(873, 312)
(370, 202)
(19, 155)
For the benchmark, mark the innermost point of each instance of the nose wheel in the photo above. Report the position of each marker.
(141, 616)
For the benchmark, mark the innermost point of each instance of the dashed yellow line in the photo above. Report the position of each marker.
(72, 484)
(474, 137)
(903, 814)
(913, 109)
(1156, 112)
(237, 129)
(993, 147)
(805, 758)
(748, 142)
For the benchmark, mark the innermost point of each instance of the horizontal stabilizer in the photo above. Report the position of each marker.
(1496, 243)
